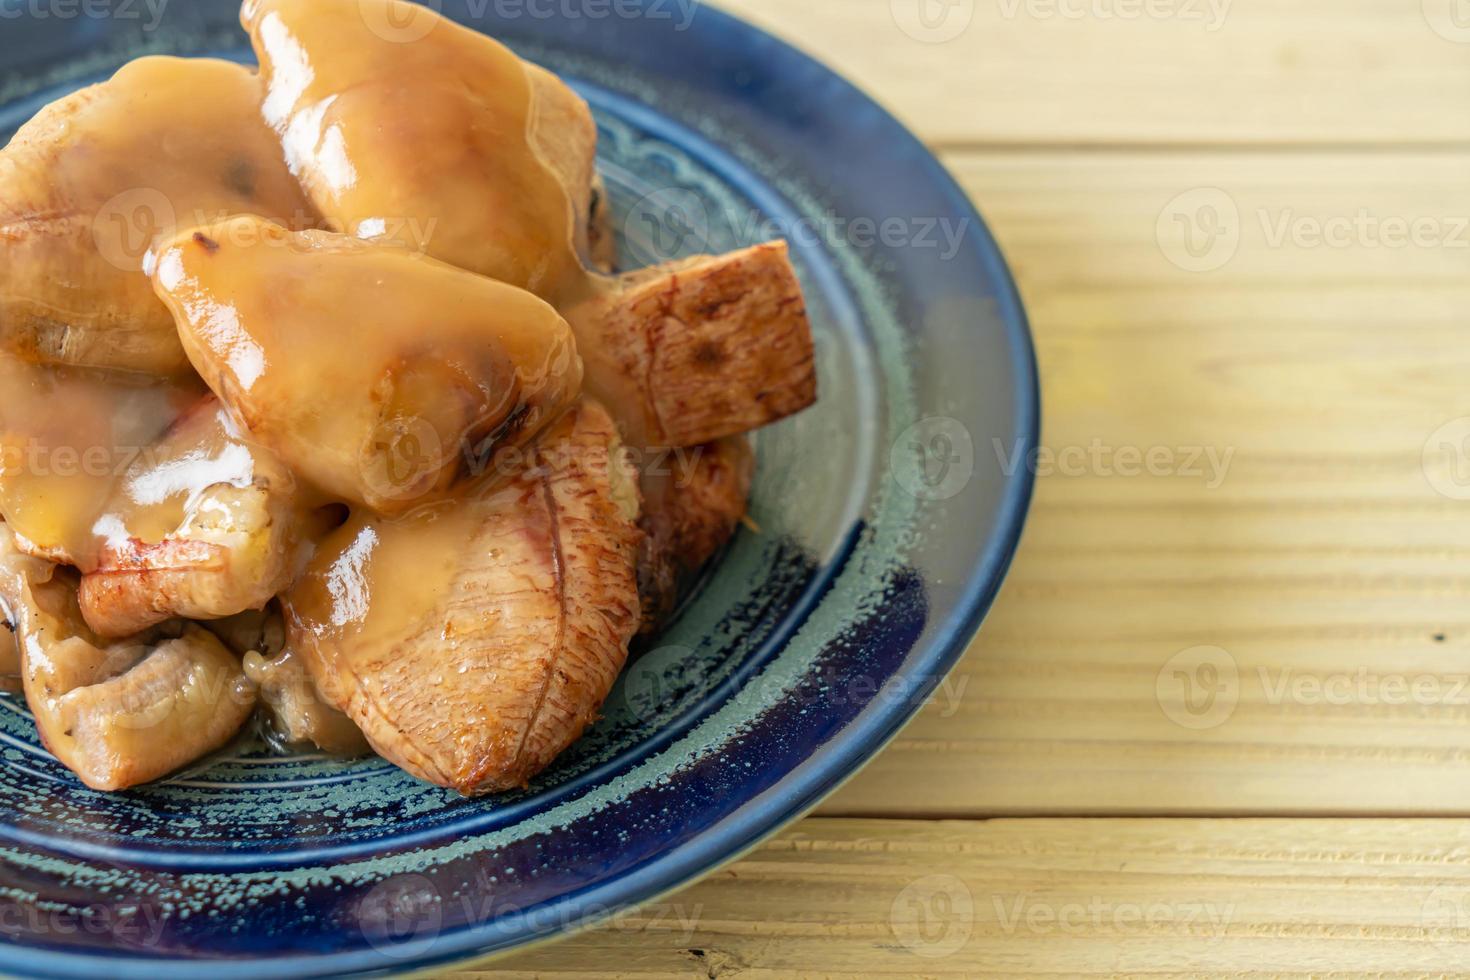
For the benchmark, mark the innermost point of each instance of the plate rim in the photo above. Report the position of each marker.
(799, 791)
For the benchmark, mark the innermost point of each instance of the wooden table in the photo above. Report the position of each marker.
(1219, 719)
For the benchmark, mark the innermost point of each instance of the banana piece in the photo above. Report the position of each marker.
(231, 541)
(118, 715)
(295, 713)
(89, 184)
(405, 127)
(377, 374)
(67, 436)
(299, 715)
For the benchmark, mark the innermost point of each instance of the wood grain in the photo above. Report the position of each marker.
(1104, 72)
(1322, 561)
(1278, 628)
(1066, 898)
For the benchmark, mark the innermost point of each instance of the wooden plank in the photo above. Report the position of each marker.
(1147, 71)
(1322, 561)
(1074, 898)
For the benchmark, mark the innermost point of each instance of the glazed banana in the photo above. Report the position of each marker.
(148, 489)
(89, 184)
(228, 543)
(406, 127)
(350, 382)
(67, 436)
(295, 713)
(377, 374)
(299, 714)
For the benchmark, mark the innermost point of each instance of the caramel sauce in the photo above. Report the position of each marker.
(158, 493)
(373, 579)
(473, 639)
(91, 465)
(392, 590)
(279, 323)
(376, 581)
(73, 444)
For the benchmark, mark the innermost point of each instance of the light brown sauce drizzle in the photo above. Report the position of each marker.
(376, 577)
(481, 161)
(80, 454)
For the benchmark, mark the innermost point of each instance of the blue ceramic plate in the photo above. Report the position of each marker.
(887, 517)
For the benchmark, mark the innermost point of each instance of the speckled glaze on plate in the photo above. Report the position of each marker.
(887, 517)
